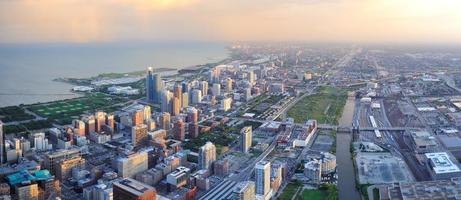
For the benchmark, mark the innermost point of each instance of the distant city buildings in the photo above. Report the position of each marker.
(154, 86)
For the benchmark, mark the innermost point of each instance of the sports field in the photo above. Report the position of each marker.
(65, 110)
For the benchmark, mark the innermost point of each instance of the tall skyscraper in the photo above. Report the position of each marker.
(192, 119)
(139, 134)
(100, 120)
(185, 100)
(207, 155)
(179, 130)
(154, 86)
(246, 139)
(2, 145)
(185, 86)
(130, 189)
(263, 177)
(166, 101)
(176, 106)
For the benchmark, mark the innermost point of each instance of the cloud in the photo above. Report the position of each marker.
(310, 20)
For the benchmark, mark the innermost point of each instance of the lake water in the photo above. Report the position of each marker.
(27, 71)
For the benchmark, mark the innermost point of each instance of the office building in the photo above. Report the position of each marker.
(166, 101)
(132, 164)
(216, 90)
(185, 100)
(178, 177)
(229, 83)
(221, 167)
(247, 94)
(244, 191)
(165, 120)
(100, 121)
(79, 127)
(180, 130)
(196, 96)
(153, 86)
(207, 155)
(226, 104)
(139, 134)
(442, 166)
(185, 87)
(204, 88)
(177, 91)
(130, 189)
(90, 123)
(263, 178)
(176, 106)
(246, 135)
(138, 117)
(64, 167)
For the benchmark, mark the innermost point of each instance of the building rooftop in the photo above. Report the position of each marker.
(133, 186)
(441, 163)
(26, 176)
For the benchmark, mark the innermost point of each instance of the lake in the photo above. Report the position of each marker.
(27, 71)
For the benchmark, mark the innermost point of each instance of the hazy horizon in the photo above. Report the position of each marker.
(337, 21)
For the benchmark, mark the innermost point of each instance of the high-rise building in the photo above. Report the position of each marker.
(132, 164)
(2, 144)
(130, 189)
(79, 127)
(176, 106)
(139, 134)
(165, 120)
(251, 77)
(263, 177)
(245, 191)
(90, 124)
(216, 90)
(185, 87)
(138, 117)
(207, 155)
(100, 120)
(64, 167)
(185, 100)
(204, 88)
(196, 96)
(229, 85)
(153, 86)
(179, 130)
(247, 94)
(147, 113)
(110, 121)
(167, 96)
(192, 115)
(226, 104)
(246, 139)
(177, 91)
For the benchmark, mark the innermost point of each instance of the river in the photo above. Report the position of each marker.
(346, 173)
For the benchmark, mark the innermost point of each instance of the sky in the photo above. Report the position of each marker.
(87, 21)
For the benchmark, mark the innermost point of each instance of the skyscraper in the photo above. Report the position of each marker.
(263, 177)
(216, 90)
(164, 120)
(179, 130)
(166, 101)
(176, 106)
(207, 155)
(245, 139)
(192, 119)
(2, 145)
(138, 134)
(185, 100)
(204, 88)
(229, 82)
(185, 86)
(153, 86)
(130, 189)
(196, 96)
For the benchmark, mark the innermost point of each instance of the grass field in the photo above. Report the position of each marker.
(289, 191)
(314, 194)
(65, 110)
(325, 106)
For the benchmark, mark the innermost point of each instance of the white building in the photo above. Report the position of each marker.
(132, 164)
(207, 155)
(226, 104)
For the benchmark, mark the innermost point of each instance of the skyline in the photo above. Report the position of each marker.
(356, 21)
